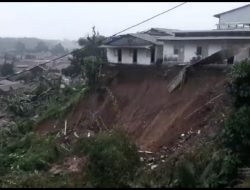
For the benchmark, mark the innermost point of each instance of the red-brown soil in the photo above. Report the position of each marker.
(142, 105)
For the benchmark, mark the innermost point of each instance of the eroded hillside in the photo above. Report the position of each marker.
(137, 99)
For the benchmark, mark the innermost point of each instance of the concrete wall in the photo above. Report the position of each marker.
(168, 52)
(112, 58)
(143, 56)
(209, 47)
(187, 50)
(240, 15)
(243, 54)
(159, 52)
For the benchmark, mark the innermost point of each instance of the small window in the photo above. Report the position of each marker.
(199, 50)
(248, 52)
(176, 51)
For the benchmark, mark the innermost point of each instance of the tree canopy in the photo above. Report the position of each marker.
(41, 47)
(58, 49)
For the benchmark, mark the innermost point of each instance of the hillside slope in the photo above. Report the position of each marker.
(138, 100)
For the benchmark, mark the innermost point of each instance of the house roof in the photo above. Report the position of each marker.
(218, 15)
(147, 37)
(205, 38)
(124, 46)
(241, 33)
(215, 30)
(165, 30)
(142, 40)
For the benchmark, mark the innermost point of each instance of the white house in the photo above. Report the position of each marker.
(137, 48)
(229, 42)
(231, 36)
(190, 46)
(235, 18)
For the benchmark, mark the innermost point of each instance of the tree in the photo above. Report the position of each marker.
(91, 49)
(41, 47)
(7, 69)
(20, 47)
(58, 49)
(91, 44)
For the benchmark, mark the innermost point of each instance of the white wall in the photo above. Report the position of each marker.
(213, 48)
(241, 15)
(209, 47)
(243, 54)
(111, 55)
(159, 52)
(143, 56)
(189, 51)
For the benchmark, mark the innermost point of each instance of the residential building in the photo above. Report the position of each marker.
(238, 18)
(137, 48)
(229, 42)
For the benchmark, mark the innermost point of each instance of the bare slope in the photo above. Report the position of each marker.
(138, 100)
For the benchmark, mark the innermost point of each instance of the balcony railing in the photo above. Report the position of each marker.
(230, 26)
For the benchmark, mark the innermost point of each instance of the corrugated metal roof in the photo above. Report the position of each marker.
(166, 30)
(124, 46)
(147, 37)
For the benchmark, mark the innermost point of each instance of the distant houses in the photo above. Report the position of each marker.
(172, 46)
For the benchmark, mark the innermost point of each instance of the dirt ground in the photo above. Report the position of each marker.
(138, 100)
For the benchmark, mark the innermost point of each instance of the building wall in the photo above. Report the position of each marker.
(240, 15)
(187, 50)
(168, 52)
(159, 52)
(213, 48)
(112, 58)
(208, 48)
(143, 56)
(243, 54)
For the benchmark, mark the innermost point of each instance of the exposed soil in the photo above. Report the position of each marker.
(138, 101)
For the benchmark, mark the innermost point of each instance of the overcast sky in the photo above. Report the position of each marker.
(74, 20)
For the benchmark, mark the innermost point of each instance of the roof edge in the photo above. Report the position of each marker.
(218, 15)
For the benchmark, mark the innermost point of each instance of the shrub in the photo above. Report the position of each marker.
(240, 83)
(236, 131)
(91, 68)
(112, 160)
(7, 69)
(29, 153)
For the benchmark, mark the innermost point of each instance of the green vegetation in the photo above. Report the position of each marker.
(112, 159)
(82, 59)
(58, 49)
(60, 105)
(7, 69)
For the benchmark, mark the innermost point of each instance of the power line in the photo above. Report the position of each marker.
(149, 19)
(146, 20)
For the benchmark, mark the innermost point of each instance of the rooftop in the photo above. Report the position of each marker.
(205, 38)
(218, 15)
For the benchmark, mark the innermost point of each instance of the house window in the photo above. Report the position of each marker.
(152, 52)
(176, 51)
(119, 52)
(135, 56)
(199, 50)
